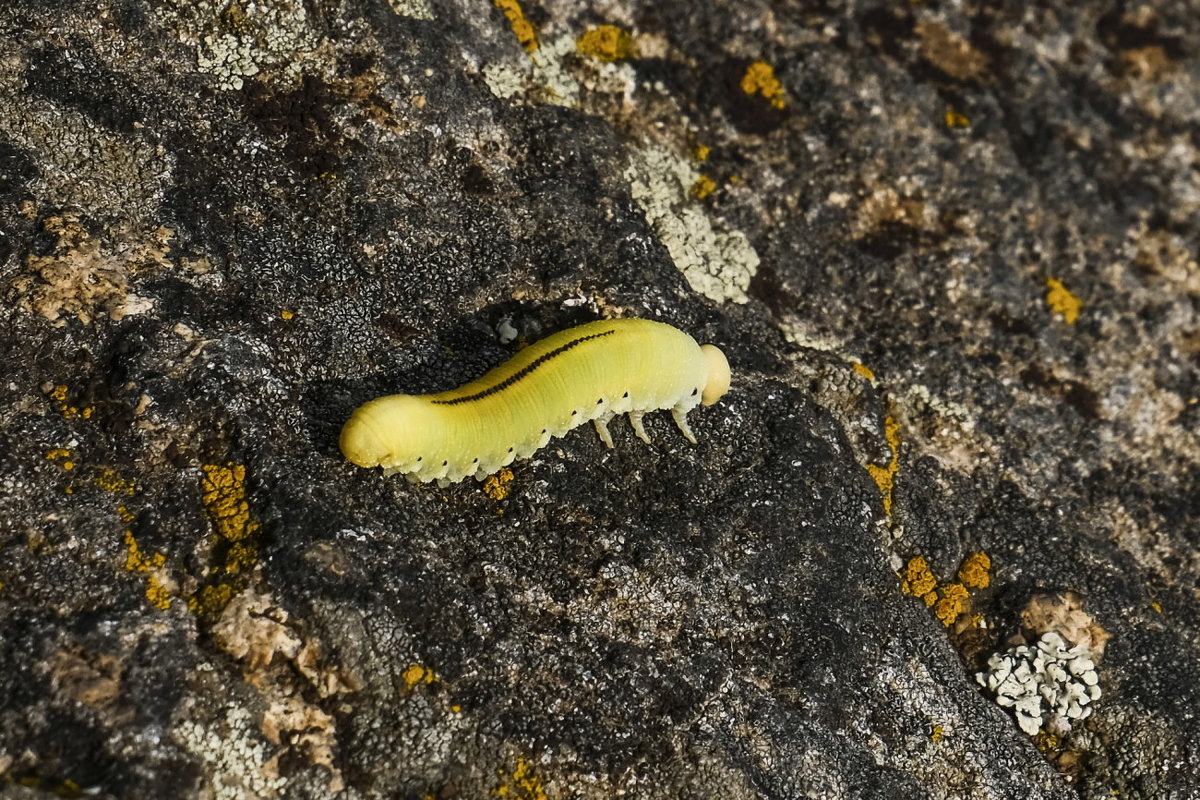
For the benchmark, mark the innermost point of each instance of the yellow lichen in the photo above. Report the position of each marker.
(605, 42)
(936, 734)
(286, 315)
(918, 580)
(864, 370)
(700, 152)
(956, 120)
(416, 674)
(951, 603)
(211, 600)
(974, 571)
(1061, 301)
(520, 784)
(156, 593)
(885, 477)
(522, 28)
(110, 481)
(62, 456)
(496, 486)
(223, 489)
(224, 499)
(703, 187)
(760, 79)
(1156, 606)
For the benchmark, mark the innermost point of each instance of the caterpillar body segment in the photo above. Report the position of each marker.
(589, 373)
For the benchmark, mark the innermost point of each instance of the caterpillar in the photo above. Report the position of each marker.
(591, 372)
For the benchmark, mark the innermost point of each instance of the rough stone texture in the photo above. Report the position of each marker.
(950, 250)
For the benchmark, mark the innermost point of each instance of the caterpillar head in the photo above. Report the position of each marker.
(717, 382)
(391, 432)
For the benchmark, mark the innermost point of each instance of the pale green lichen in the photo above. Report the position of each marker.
(718, 264)
(239, 763)
(414, 9)
(543, 75)
(235, 40)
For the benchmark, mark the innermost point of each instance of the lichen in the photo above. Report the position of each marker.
(974, 571)
(135, 561)
(605, 42)
(496, 486)
(238, 761)
(703, 187)
(520, 784)
(414, 9)
(235, 41)
(522, 28)
(223, 489)
(919, 581)
(717, 264)
(86, 277)
(952, 601)
(885, 476)
(416, 674)
(760, 79)
(1061, 301)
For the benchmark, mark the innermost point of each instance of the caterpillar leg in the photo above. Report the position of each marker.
(635, 422)
(680, 415)
(601, 424)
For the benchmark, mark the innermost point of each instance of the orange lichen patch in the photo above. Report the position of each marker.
(416, 674)
(760, 79)
(974, 571)
(885, 477)
(1061, 301)
(522, 28)
(87, 277)
(956, 120)
(520, 784)
(135, 561)
(918, 580)
(864, 370)
(225, 501)
(286, 315)
(1156, 606)
(605, 42)
(703, 187)
(62, 457)
(496, 486)
(110, 481)
(210, 600)
(223, 489)
(58, 393)
(952, 601)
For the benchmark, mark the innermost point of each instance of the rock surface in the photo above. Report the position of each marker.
(949, 249)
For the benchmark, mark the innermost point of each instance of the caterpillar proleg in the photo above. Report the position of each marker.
(592, 372)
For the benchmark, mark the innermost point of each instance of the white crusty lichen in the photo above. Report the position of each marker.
(1049, 684)
(239, 763)
(237, 40)
(415, 9)
(717, 264)
(541, 74)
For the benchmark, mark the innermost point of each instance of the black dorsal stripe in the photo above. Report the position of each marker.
(524, 371)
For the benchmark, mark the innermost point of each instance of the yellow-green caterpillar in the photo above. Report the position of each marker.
(592, 372)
